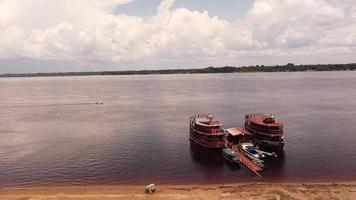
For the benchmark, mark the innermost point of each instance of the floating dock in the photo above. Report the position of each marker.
(247, 162)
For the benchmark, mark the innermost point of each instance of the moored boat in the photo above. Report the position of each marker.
(207, 132)
(230, 156)
(266, 130)
(251, 150)
(265, 153)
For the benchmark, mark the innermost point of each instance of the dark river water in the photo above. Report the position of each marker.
(53, 133)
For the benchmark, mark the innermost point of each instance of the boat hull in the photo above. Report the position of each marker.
(207, 145)
(270, 144)
(231, 161)
(266, 143)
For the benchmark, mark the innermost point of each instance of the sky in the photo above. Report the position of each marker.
(95, 35)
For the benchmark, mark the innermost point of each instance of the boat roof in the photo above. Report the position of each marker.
(237, 131)
(204, 121)
(259, 119)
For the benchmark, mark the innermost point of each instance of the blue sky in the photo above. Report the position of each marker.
(225, 9)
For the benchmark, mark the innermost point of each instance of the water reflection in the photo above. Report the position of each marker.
(232, 166)
(207, 157)
(275, 167)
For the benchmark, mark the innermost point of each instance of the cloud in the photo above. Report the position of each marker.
(88, 31)
(293, 23)
(96, 33)
(302, 28)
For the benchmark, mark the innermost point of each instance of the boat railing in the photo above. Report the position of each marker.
(255, 115)
(201, 116)
(197, 118)
(213, 133)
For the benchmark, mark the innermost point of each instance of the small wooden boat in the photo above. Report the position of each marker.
(257, 161)
(230, 156)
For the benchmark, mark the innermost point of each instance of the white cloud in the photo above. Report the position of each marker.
(293, 23)
(87, 31)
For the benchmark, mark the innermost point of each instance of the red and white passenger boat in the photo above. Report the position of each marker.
(207, 132)
(266, 130)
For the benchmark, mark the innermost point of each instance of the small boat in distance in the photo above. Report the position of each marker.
(231, 156)
(266, 130)
(207, 132)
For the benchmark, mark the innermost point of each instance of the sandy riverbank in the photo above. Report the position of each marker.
(263, 191)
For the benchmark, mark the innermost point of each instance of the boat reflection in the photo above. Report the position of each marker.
(275, 167)
(206, 157)
(232, 166)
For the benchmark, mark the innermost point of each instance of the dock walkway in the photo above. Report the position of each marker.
(247, 162)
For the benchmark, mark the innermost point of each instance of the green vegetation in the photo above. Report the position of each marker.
(290, 67)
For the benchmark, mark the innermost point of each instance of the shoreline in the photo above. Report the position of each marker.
(249, 190)
(290, 67)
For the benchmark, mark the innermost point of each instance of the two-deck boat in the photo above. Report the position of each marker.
(266, 130)
(207, 132)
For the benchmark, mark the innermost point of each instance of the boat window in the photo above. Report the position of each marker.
(260, 136)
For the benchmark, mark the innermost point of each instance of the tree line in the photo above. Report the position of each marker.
(290, 67)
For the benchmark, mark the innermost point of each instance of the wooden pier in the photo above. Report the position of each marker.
(247, 162)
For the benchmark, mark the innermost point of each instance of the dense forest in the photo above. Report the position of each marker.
(290, 67)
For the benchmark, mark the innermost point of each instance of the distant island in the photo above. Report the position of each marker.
(290, 67)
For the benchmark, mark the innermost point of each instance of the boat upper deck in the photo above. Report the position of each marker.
(263, 120)
(206, 121)
(210, 123)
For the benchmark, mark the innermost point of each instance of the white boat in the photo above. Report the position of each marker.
(266, 153)
(249, 149)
